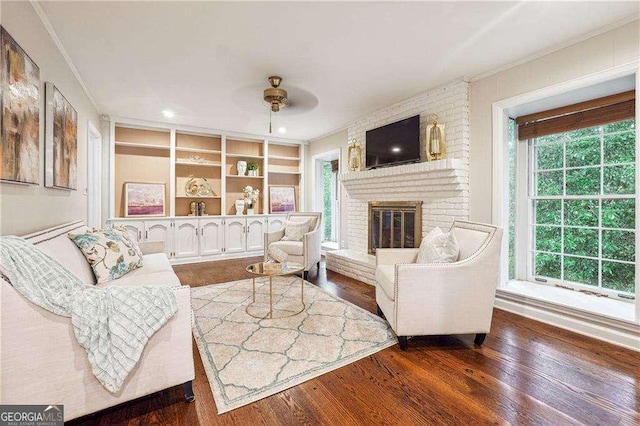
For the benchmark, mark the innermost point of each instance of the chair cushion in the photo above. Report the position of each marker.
(294, 230)
(385, 279)
(294, 248)
(165, 279)
(438, 247)
(111, 252)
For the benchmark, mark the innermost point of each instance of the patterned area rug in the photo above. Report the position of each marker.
(247, 359)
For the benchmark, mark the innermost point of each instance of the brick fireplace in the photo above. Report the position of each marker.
(442, 187)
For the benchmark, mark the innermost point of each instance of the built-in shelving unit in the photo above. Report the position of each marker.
(285, 167)
(172, 155)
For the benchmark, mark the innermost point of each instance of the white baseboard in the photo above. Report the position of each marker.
(617, 332)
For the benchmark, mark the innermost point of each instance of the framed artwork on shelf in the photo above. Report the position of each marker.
(20, 118)
(282, 199)
(144, 199)
(61, 141)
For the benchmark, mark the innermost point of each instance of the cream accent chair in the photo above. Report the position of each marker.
(441, 298)
(306, 251)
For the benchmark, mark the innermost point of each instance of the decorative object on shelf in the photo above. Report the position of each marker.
(355, 157)
(435, 140)
(275, 97)
(61, 140)
(250, 195)
(282, 199)
(193, 208)
(194, 159)
(201, 208)
(252, 169)
(239, 206)
(20, 129)
(197, 187)
(144, 199)
(242, 167)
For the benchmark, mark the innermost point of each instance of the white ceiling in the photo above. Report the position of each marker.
(209, 61)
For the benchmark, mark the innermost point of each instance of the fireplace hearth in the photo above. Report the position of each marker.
(394, 224)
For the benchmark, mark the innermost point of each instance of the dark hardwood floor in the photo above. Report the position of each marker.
(526, 373)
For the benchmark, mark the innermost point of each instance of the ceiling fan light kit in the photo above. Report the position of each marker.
(274, 96)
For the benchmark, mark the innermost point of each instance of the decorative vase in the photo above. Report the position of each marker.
(240, 207)
(252, 173)
(250, 211)
(242, 168)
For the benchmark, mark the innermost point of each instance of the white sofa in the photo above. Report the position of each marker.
(42, 363)
(441, 298)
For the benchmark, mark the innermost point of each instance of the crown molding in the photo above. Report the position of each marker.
(56, 40)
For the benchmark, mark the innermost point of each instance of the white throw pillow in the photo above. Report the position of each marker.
(438, 247)
(294, 231)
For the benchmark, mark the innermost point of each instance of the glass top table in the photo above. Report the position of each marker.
(287, 268)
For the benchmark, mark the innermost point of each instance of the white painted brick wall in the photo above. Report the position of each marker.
(451, 103)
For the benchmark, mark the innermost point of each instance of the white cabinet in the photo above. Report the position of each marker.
(186, 238)
(276, 223)
(234, 235)
(136, 229)
(148, 231)
(211, 236)
(255, 233)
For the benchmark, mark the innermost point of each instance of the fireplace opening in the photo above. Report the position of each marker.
(394, 224)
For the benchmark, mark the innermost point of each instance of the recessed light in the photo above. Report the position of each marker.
(282, 130)
(395, 149)
(168, 114)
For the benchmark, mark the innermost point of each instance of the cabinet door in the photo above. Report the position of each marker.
(186, 238)
(234, 235)
(135, 228)
(255, 233)
(276, 223)
(211, 236)
(160, 230)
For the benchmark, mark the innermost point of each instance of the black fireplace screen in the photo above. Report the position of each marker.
(394, 225)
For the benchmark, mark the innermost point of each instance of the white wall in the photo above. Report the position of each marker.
(605, 51)
(25, 209)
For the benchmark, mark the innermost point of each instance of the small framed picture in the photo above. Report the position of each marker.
(144, 199)
(282, 199)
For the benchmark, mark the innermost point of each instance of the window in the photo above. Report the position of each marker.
(581, 200)
(572, 196)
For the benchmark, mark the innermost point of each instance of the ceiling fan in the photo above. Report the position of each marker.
(275, 96)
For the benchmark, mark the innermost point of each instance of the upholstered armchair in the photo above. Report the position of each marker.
(306, 251)
(441, 298)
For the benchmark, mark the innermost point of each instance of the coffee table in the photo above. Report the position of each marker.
(288, 268)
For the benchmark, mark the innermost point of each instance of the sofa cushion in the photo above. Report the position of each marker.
(55, 243)
(168, 279)
(294, 248)
(111, 252)
(385, 279)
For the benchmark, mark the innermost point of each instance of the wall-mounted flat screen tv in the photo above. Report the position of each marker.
(393, 144)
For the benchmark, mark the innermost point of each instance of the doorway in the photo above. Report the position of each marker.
(327, 197)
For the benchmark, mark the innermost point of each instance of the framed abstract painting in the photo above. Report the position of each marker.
(61, 141)
(144, 199)
(20, 119)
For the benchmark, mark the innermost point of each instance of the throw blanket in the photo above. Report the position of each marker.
(113, 324)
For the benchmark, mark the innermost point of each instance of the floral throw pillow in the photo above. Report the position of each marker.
(294, 231)
(111, 252)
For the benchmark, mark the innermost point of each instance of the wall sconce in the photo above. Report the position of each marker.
(354, 156)
(435, 140)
